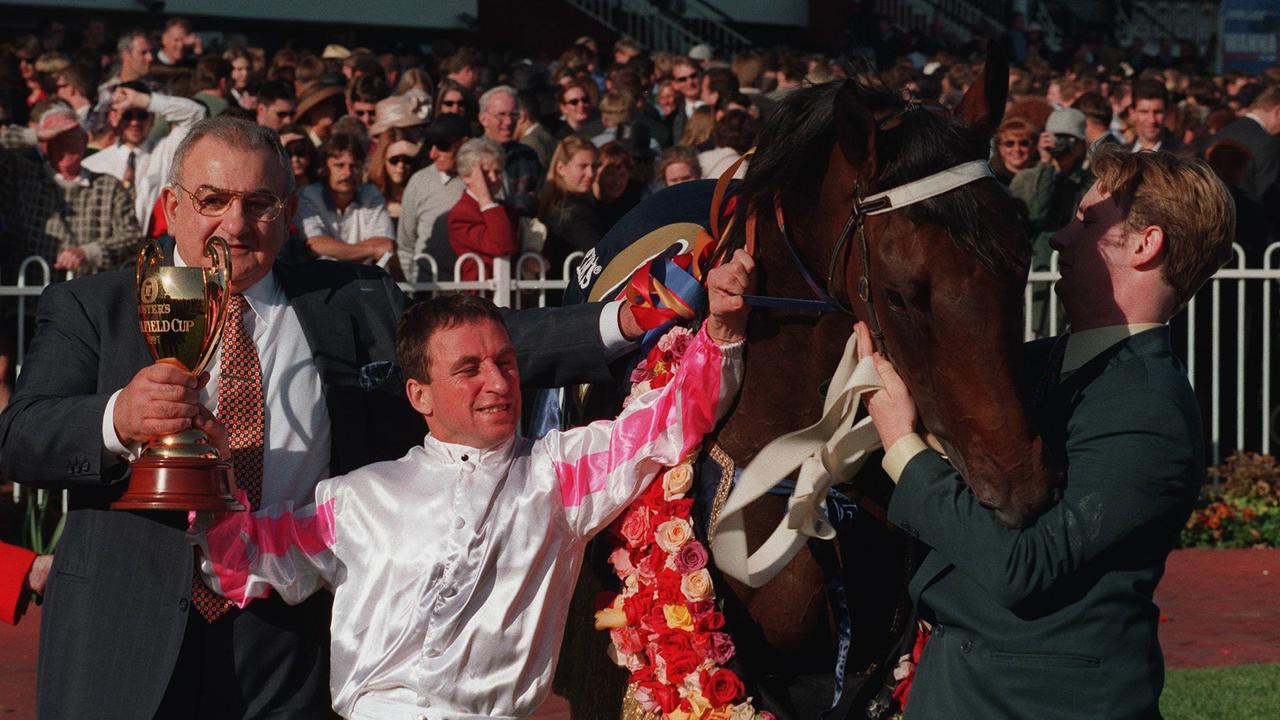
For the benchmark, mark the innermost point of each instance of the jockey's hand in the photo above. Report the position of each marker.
(726, 285)
(891, 407)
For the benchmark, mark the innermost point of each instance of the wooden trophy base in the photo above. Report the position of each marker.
(179, 484)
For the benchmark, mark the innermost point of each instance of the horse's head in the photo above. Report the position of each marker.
(945, 275)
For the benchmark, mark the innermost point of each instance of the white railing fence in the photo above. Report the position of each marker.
(1231, 369)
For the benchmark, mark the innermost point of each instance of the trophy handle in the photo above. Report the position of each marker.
(217, 279)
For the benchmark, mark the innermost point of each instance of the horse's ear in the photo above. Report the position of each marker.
(982, 107)
(855, 128)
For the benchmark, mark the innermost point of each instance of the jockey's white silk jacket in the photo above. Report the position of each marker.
(452, 568)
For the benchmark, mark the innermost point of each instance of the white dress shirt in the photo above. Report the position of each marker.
(453, 567)
(297, 429)
(153, 158)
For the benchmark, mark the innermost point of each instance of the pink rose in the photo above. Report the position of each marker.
(675, 340)
(720, 648)
(674, 533)
(690, 557)
(647, 570)
(620, 559)
(636, 529)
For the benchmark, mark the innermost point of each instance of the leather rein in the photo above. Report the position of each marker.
(896, 198)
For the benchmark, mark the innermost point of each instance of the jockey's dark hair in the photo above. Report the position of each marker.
(794, 148)
(421, 320)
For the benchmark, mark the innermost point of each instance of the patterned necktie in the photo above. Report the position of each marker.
(130, 169)
(242, 410)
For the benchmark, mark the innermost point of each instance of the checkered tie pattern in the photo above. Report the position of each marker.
(242, 410)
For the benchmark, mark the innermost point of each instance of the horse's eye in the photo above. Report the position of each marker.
(896, 300)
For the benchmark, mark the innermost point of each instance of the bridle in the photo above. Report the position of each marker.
(880, 203)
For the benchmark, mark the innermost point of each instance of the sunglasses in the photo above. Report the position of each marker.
(401, 160)
(297, 148)
(364, 113)
(131, 115)
(450, 103)
(685, 78)
(443, 145)
(577, 101)
(1015, 143)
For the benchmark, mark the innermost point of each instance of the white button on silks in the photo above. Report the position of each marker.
(459, 523)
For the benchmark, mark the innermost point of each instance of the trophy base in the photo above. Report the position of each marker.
(179, 484)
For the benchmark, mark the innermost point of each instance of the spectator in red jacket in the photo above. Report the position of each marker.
(22, 573)
(480, 223)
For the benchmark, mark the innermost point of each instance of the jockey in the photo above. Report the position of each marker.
(452, 568)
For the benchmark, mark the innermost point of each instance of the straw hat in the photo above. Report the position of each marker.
(315, 94)
(335, 51)
(395, 111)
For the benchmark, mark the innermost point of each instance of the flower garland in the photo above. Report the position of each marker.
(665, 624)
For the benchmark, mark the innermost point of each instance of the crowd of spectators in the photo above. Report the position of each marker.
(411, 161)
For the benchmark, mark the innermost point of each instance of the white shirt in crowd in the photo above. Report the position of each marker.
(152, 159)
(365, 217)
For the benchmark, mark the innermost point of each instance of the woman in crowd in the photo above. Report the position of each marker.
(614, 190)
(567, 207)
(242, 73)
(678, 164)
(396, 156)
(575, 103)
(1015, 149)
(697, 129)
(734, 134)
(415, 78)
(303, 156)
(453, 98)
(478, 223)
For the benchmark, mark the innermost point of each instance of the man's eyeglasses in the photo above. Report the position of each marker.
(1015, 143)
(364, 113)
(685, 78)
(401, 160)
(214, 202)
(577, 101)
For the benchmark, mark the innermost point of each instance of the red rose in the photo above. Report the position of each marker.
(680, 508)
(680, 664)
(723, 687)
(713, 620)
(667, 696)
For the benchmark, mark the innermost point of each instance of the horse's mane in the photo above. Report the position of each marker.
(794, 147)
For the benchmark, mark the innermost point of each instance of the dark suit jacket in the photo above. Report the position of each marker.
(1264, 168)
(118, 599)
(1057, 620)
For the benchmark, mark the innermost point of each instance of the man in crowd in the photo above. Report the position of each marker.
(1056, 620)
(134, 48)
(212, 84)
(430, 194)
(363, 97)
(74, 85)
(1150, 100)
(54, 207)
(304, 397)
(531, 131)
(1097, 120)
(178, 45)
(718, 82)
(276, 103)
(463, 67)
(140, 163)
(687, 76)
(343, 218)
(1259, 131)
(499, 116)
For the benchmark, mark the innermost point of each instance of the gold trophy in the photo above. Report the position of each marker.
(182, 312)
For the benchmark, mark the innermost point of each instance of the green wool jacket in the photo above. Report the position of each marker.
(1056, 620)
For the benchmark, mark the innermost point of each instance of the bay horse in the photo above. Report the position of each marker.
(944, 279)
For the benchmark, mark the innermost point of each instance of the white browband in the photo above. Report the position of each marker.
(927, 187)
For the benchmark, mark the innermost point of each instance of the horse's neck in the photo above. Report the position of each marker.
(789, 356)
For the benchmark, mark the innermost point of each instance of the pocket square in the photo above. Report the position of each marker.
(377, 374)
